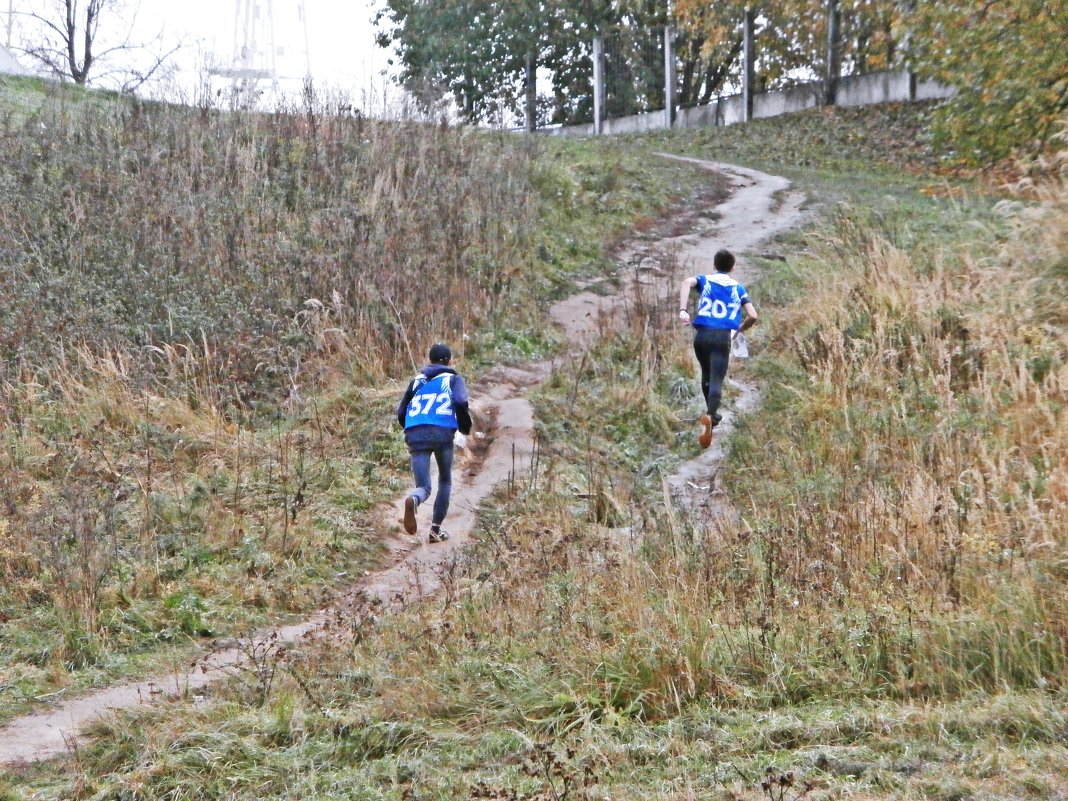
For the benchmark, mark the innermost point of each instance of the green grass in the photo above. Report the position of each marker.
(590, 196)
(1007, 745)
(21, 97)
(890, 140)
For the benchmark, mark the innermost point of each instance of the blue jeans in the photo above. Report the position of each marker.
(421, 471)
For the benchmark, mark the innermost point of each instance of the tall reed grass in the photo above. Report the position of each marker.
(921, 465)
(206, 312)
(192, 298)
(133, 225)
(900, 503)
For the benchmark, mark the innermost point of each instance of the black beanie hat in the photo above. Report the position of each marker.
(440, 353)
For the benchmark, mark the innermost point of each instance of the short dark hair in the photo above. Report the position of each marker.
(724, 261)
(440, 353)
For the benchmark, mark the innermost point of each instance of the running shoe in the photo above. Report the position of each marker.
(410, 525)
(705, 439)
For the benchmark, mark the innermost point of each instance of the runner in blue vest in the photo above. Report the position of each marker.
(433, 409)
(721, 303)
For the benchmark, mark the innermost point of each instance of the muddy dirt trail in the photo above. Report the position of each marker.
(759, 207)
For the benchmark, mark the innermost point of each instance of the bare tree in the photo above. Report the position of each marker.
(70, 46)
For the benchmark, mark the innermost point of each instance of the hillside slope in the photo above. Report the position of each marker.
(207, 316)
(884, 615)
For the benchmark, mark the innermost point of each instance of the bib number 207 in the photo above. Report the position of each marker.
(714, 307)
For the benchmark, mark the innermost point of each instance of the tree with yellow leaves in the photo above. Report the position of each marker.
(791, 38)
(1009, 63)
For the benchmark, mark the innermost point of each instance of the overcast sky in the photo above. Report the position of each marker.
(339, 50)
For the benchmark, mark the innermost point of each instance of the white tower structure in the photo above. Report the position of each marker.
(253, 68)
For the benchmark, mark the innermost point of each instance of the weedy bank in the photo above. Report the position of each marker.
(205, 314)
(884, 616)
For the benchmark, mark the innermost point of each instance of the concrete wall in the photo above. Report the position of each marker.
(932, 90)
(636, 123)
(854, 90)
(876, 87)
(706, 116)
(787, 101)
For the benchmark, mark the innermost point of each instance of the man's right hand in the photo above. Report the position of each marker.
(684, 316)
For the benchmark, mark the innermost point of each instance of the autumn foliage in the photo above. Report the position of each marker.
(1008, 61)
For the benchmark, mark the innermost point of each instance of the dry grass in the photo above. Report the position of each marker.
(131, 513)
(193, 299)
(253, 240)
(930, 433)
(885, 617)
(198, 304)
(902, 500)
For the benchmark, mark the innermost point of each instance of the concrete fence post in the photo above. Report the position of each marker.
(834, 52)
(598, 85)
(669, 76)
(910, 9)
(531, 91)
(749, 70)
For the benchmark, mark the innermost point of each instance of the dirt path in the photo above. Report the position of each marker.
(759, 207)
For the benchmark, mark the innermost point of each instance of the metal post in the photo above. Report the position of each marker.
(669, 76)
(598, 85)
(10, 18)
(749, 57)
(302, 13)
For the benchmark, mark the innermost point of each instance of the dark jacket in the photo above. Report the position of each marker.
(434, 436)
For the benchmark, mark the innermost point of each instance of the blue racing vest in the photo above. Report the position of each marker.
(431, 405)
(720, 303)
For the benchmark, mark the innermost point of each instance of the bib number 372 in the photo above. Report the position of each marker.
(422, 404)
